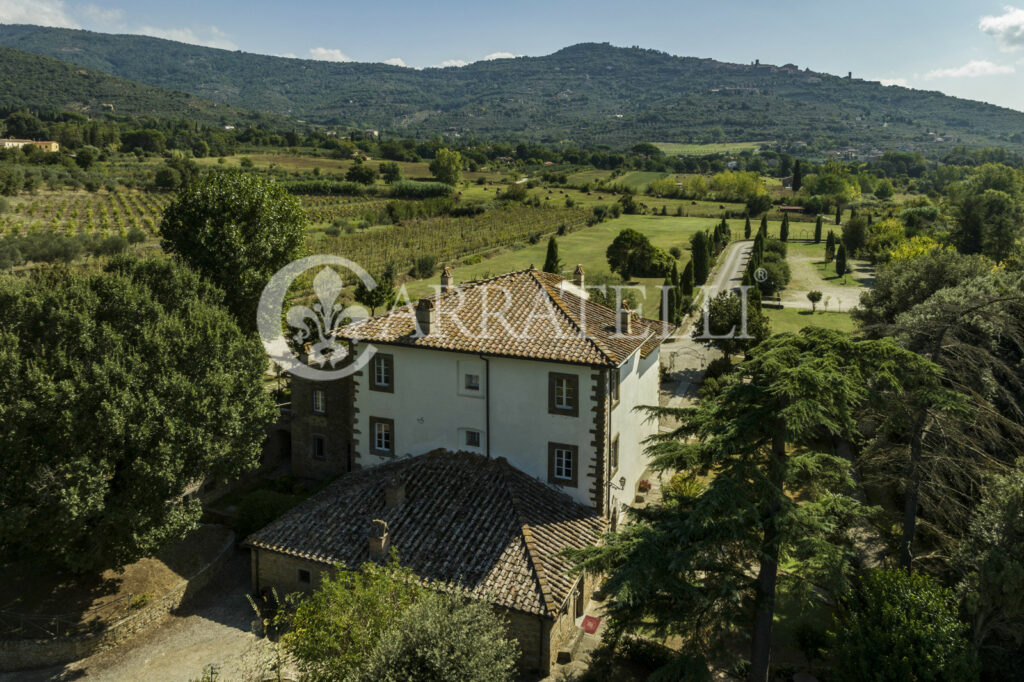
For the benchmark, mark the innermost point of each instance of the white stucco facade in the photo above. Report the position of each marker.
(432, 405)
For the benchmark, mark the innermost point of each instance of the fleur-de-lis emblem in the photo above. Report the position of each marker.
(324, 316)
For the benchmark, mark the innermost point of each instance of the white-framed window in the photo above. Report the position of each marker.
(382, 433)
(472, 438)
(472, 382)
(383, 373)
(319, 401)
(564, 464)
(614, 454)
(319, 449)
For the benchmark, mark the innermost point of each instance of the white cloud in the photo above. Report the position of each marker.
(972, 69)
(893, 81)
(500, 55)
(210, 36)
(451, 62)
(100, 19)
(39, 12)
(1007, 28)
(288, 55)
(394, 61)
(326, 54)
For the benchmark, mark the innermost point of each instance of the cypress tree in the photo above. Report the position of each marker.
(817, 230)
(700, 257)
(552, 263)
(687, 280)
(798, 179)
(784, 230)
(830, 246)
(764, 225)
(839, 214)
(746, 228)
(841, 262)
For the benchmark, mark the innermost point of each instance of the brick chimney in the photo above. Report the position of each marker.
(426, 316)
(380, 543)
(447, 281)
(394, 492)
(624, 321)
(577, 277)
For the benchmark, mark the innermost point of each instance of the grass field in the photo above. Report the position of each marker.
(681, 149)
(585, 247)
(638, 180)
(791, 320)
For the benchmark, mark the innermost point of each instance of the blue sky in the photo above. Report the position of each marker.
(969, 48)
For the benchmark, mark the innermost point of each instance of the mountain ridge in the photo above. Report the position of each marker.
(588, 93)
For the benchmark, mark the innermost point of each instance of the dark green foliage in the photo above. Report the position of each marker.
(673, 94)
(382, 295)
(798, 178)
(424, 267)
(237, 229)
(900, 285)
(989, 210)
(683, 567)
(443, 637)
(552, 263)
(830, 246)
(361, 173)
(45, 83)
(151, 387)
(391, 172)
(632, 254)
(884, 190)
(380, 623)
(855, 235)
(725, 318)
(700, 257)
(746, 228)
(687, 281)
(447, 166)
(817, 230)
(894, 626)
(841, 267)
(990, 561)
(784, 229)
(260, 507)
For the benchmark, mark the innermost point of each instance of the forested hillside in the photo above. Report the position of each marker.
(587, 93)
(41, 83)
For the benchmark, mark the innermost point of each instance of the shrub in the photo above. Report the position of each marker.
(259, 507)
(897, 626)
(136, 235)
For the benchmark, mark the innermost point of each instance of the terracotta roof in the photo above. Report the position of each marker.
(466, 523)
(523, 314)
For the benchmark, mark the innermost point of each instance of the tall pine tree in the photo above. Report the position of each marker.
(830, 246)
(784, 230)
(798, 177)
(841, 262)
(817, 230)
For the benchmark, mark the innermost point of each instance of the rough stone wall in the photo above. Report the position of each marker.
(533, 634)
(281, 571)
(335, 426)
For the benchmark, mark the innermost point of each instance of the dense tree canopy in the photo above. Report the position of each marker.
(236, 229)
(121, 388)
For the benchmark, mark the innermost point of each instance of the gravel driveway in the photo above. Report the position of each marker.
(213, 628)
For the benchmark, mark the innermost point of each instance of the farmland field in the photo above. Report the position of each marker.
(682, 149)
(585, 247)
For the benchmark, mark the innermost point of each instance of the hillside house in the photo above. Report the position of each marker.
(462, 522)
(522, 366)
(45, 145)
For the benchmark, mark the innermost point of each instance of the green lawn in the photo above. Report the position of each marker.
(638, 180)
(792, 320)
(681, 149)
(586, 247)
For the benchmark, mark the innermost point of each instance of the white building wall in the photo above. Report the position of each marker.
(432, 409)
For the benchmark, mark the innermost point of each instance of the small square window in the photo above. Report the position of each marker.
(473, 438)
(472, 382)
(304, 576)
(319, 401)
(319, 448)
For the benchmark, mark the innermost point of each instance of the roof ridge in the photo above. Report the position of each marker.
(539, 572)
(583, 334)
